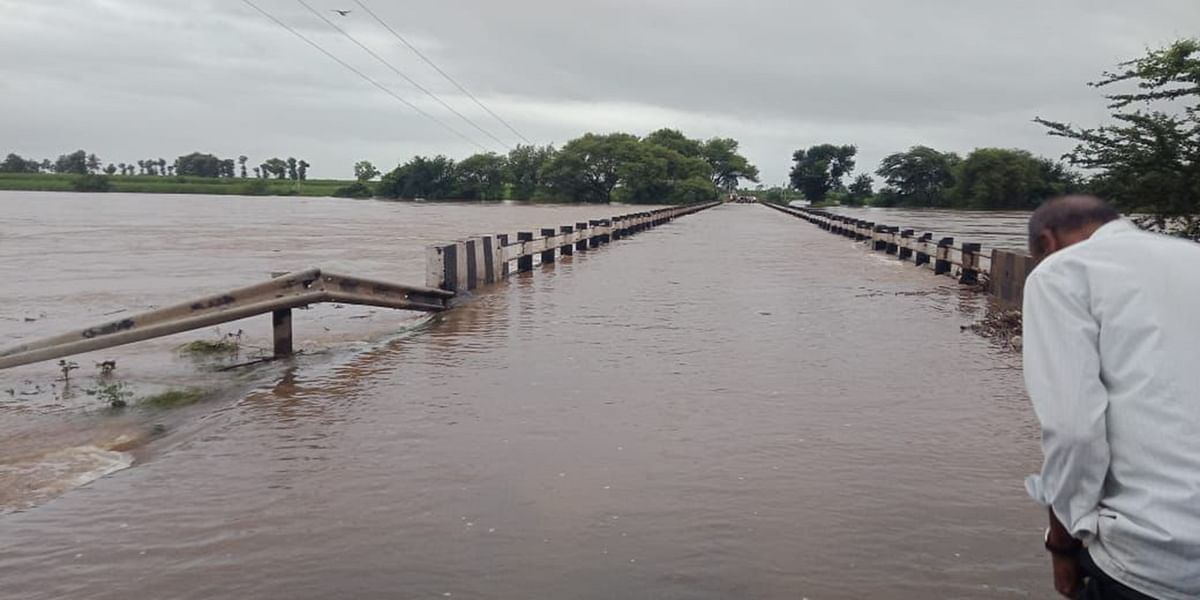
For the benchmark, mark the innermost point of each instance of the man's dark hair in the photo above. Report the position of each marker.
(1068, 213)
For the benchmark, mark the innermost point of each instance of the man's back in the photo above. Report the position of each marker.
(1124, 306)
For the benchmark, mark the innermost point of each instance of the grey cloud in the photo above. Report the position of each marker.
(138, 78)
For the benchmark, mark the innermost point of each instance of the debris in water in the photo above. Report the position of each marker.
(1003, 326)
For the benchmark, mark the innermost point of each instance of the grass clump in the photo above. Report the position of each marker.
(172, 398)
(227, 344)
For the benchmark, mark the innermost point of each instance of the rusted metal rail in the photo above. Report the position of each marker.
(277, 296)
(1002, 271)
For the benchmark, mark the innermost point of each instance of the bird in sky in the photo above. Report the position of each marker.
(341, 12)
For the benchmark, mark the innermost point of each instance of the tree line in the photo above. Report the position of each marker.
(196, 164)
(1147, 161)
(663, 167)
(987, 178)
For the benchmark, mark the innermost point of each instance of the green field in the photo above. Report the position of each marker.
(153, 184)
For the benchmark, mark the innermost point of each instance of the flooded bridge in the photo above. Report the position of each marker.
(735, 404)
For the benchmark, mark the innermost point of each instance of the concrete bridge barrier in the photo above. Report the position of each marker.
(1001, 272)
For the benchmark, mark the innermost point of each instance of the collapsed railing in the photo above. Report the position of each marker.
(1002, 272)
(277, 296)
(452, 268)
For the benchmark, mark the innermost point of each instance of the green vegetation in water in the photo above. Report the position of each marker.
(113, 393)
(227, 344)
(172, 398)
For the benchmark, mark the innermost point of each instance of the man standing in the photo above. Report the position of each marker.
(1112, 365)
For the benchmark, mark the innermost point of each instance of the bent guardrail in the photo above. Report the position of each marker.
(277, 296)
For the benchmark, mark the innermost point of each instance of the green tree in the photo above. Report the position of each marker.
(525, 164)
(242, 163)
(726, 165)
(302, 169)
(162, 166)
(480, 177)
(419, 178)
(276, 167)
(365, 171)
(675, 140)
(47, 166)
(920, 176)
(820, 169)
(654, 174)
(588, 168)
(141, 167)
(291, 169)
(75, 162)
(15, 163)
(93, 163)
(1148, 160)
(198, 164)
(1004, 179)
(860, 190)
(110, 170)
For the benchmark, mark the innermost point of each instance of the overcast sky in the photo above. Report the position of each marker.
(130, 79)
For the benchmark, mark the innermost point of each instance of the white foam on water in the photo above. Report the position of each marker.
(28, 483)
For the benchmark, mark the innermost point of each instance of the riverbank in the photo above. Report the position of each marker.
(154, 184)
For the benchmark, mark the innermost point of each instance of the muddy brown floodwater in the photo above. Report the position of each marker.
(734, 405)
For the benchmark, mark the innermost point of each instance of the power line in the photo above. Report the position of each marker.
(401, 74)
(430, 62)
(364, 76)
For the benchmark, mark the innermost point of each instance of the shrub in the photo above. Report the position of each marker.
(91, 183)
(357, 189)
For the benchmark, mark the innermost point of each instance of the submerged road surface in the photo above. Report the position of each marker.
(735, 405)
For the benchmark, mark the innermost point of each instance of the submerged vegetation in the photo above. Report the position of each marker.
(172, 398)
(230, 343)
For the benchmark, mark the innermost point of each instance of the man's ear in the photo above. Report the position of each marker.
(1049, 242)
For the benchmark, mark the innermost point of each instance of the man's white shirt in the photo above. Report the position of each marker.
(1112, 365)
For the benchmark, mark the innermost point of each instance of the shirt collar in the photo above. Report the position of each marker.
(1113, 228)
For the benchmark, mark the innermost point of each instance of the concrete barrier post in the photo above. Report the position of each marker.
(581, 245)
(922, 257)
(525, 263)
(879, 232)
(970, 266)
(548, 254)
(941, 264)
(568, 248)
(1009, 270)
(905, 251)
(474, 259)
(595, 241)
(487, 245)
(501, 264)
(890, 246)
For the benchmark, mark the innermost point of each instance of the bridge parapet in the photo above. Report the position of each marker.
(1001, 272)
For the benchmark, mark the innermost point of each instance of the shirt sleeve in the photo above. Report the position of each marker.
(1062, 374)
